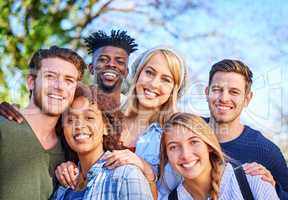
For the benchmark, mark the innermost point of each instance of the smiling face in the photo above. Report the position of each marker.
(187, 153)
(54, 86)
(110, 66)
(155, 83)
(227, 97)
(84, 126)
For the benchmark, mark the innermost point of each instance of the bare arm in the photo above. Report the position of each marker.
(10, 112)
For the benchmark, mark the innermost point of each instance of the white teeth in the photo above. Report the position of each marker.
(109, 74)
(81, 136)
(55, 96)
(188, 165)
(149, 93)
(223, 107)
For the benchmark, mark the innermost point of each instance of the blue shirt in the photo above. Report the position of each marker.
(73, 195)
(148, 148)
(124, 182)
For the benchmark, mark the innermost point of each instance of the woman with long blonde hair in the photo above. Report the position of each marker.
(158, 81)
(192, 149)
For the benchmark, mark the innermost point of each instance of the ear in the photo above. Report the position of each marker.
(210, 149)
(91, 68)
(105, 131)
(126, 71)
(207, 92)
(248, 98)
(30, 81)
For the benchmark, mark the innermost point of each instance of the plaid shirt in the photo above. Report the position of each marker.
(125, 182)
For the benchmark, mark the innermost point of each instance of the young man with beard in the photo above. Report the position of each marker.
(228, 93)
(110, 54)
(30, 151)
(109, 66)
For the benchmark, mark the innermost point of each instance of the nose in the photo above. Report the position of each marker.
(155, 82)
(59, 83)
(112, 63)
(185, 153)
(224, 96)
(78, 124)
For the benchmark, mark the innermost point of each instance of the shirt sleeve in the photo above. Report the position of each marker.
(261, 189)
(134, 185)
(279, 170)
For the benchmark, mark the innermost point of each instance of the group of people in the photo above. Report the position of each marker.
(75, 141)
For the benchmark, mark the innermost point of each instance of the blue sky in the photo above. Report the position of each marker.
(255, 32)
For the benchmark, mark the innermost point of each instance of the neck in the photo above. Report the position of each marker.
(88, 159)
(226, 132)
(108, 101)
(144, 115)
(198, 188)
(42, 124)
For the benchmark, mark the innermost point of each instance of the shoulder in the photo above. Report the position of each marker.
(154, 127)
(260, 139)
(9, 126)
(133, 183)
(128, 172)
(59, 193)
(261, 189)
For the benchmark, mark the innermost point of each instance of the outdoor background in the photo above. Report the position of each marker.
(202, 31)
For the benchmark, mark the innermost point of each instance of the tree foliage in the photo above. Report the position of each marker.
(28, 25)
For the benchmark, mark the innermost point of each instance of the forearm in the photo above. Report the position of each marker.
(150, 176)
(147, 171)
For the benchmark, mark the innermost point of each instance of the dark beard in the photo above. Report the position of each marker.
(38, 102)
(108, 88)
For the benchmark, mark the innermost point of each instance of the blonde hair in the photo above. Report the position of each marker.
(177, 68)
(206, 134)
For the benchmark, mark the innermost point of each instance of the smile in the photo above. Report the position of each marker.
(223, 107)
(109, 75)
(54, 96)
(150, 94)
(81, 136)
(189, 164)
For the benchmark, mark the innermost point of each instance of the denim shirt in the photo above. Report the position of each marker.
(124, 182)
(148, 148)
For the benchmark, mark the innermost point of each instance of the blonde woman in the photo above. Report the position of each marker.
(159, 76)
(158, 82)
(193, 151)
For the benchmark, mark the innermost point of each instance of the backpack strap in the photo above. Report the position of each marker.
(243, 183)
(173, 195)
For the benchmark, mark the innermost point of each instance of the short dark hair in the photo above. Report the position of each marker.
(64, 53)
(236, 66)
(117, 38)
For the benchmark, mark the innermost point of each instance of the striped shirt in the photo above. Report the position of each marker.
(229, 188)
(124, 182)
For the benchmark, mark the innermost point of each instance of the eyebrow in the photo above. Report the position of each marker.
(55, 73)
(190, 138)
(117, 56)
(167, 76)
